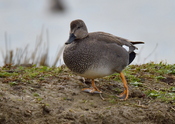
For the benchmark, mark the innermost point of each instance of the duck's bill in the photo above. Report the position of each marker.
(71, 39)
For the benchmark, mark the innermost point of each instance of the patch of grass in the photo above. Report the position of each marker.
(13, 83)
(172, 89)
(172, 71)
(21, 75)
(149, 74)
(32, 75)
(161, 95)
(41, 78)
(160, 77)
(113, 101)
(84, 101)
(155, 80)
(35, 94)
(4, 74)
(137, 84)
(39, 99)
(153, 94)
(133, 78)
(161, 68)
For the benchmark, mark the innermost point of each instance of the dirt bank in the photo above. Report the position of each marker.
(43, 95)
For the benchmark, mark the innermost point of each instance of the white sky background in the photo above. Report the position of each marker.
(139, 20)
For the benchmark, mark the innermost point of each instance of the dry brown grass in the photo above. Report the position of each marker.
(24, 56)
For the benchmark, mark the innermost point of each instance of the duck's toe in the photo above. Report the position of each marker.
(124, 95)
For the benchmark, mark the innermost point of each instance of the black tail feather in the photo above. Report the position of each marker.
(132, 56)
(137, 42)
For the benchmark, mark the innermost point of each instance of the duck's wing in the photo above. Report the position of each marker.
(109, 38)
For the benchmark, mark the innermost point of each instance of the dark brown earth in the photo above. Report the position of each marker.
(58, 99)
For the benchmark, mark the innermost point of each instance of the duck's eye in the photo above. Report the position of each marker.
(78, 27)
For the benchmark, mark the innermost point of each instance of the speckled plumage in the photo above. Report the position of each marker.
(97, 54)
(95, 51)
(89, 53)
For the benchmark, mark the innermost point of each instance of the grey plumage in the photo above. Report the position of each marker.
(97, 54)
(96, 50)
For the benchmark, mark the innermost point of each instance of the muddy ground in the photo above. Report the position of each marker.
(58, 99)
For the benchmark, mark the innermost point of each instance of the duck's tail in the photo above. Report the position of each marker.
(132, 54)
(137, 42)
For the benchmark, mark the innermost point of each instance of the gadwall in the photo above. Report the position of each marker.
(97, 54)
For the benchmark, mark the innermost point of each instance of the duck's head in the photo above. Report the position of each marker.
(78, 30)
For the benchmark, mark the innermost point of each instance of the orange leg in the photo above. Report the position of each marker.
(94, 89)
(125, 93)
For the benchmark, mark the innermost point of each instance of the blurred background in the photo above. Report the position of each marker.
(25, 22)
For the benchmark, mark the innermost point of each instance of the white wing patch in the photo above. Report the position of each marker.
(126, 48)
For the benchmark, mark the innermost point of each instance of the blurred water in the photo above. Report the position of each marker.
(150, 21)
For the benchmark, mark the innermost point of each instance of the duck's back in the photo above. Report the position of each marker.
(93, 56)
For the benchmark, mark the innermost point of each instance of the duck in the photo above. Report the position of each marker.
(97, 54)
